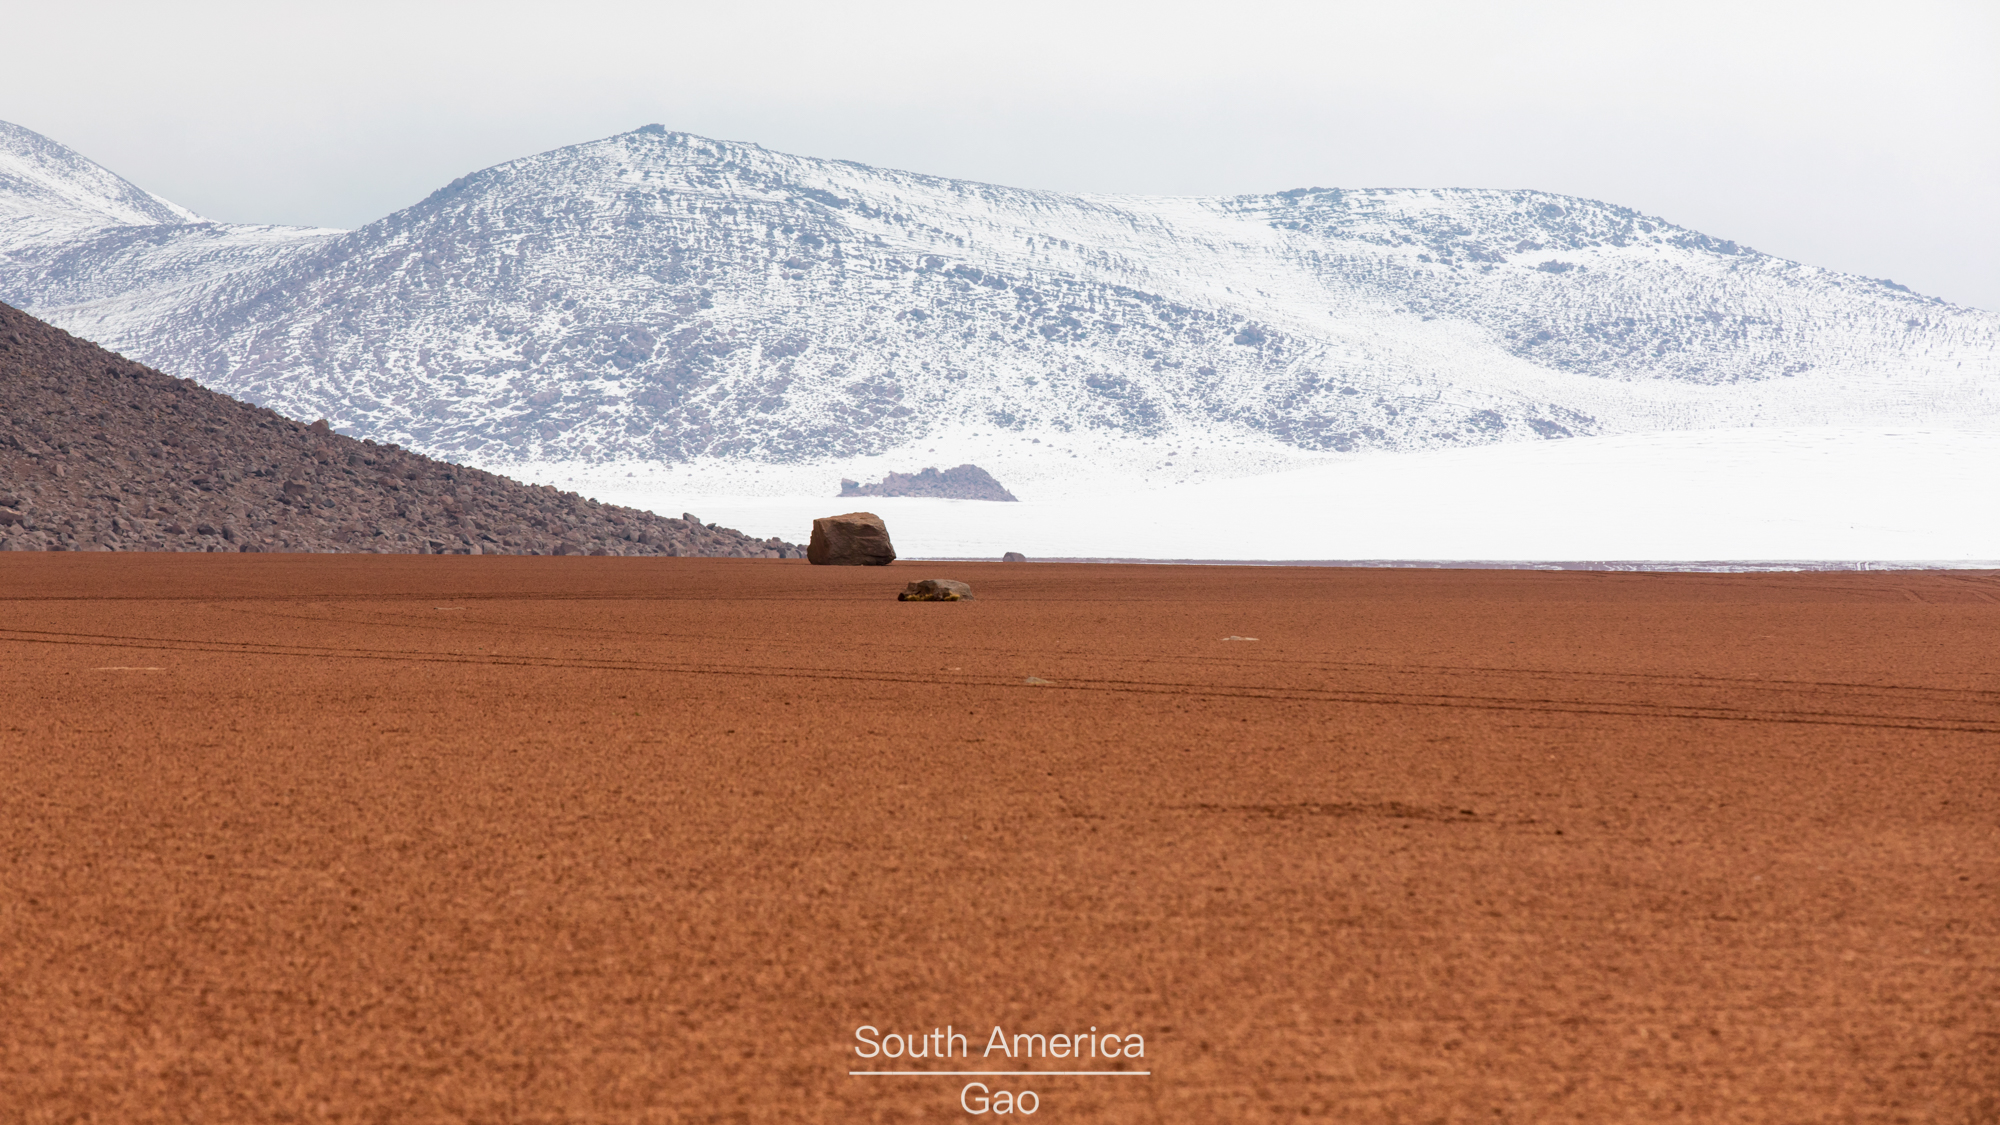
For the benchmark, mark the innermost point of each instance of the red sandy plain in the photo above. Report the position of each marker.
(414, 839)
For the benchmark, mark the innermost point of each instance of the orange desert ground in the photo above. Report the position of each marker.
(295, 838)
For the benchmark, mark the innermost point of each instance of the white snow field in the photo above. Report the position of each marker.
(1806, 496)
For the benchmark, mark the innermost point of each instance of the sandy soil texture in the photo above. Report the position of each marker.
(431, 839)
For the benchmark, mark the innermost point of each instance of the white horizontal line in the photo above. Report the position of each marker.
(966, 1073)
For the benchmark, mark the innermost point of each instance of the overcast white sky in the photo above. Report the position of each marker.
(1865, 137)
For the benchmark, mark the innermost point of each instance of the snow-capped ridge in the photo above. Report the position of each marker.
(47, 187)
(663, 297)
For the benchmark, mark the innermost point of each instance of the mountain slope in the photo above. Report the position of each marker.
(47, 189)
(100, 453)
(660, 297)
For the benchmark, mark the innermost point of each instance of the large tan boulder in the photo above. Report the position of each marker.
(855, 539)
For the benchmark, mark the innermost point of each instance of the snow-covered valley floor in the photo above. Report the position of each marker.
(1818, 495)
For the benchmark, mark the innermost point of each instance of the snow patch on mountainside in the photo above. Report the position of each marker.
(127, 288)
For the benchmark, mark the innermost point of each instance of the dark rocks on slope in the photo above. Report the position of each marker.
(967, 482)
(100, 453)
(855, 539)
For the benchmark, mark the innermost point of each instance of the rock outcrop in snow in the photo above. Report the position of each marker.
(966, 482)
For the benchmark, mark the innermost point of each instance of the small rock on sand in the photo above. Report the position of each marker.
(935, 590)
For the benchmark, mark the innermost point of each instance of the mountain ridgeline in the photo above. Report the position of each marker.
(663, 297)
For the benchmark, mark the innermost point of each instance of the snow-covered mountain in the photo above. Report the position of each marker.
(657, 298)
(49, 192)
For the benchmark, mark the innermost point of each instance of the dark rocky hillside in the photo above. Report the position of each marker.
(100, 453)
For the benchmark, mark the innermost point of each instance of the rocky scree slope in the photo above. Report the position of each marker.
(100, 453)
(666, 297)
